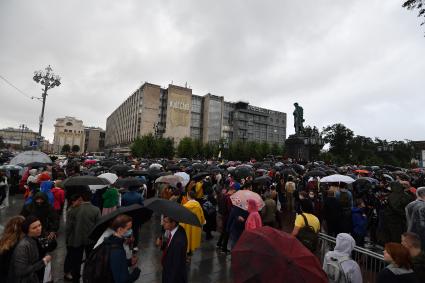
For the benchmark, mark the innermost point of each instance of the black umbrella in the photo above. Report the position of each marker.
(315, 173)
(174, 210)
(198, 166)
(243, 171)
(298, 168)
(288, 171)
(261, 172)
(108, 163)
(120, 169)
(215, 169)
(36, 164)
(173, 167)
(138, 173)
(135, 211)
(129, 182)
(200, 176)
(97, 169)
(262, 180)
(85, 181)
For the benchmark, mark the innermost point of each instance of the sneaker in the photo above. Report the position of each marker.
(67, 277)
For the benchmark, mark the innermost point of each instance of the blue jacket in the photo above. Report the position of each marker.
(46, 187)
(359, 221)
(131, 197)
(118, 262)
(234, 226)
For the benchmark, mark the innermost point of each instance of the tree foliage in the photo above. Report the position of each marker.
(345, 147)
(66, 148)
(75, 148)
(2, 144)
(338, 136)
(416, 5)
(149, 146)
(238, 150)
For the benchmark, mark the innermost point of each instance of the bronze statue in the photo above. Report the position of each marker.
(298, 119)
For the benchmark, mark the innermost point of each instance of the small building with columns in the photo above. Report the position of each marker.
(68, 130)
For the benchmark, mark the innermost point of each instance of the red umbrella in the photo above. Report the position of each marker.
(89, 162)
(269, 255)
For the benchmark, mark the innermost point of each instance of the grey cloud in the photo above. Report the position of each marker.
(359, 63)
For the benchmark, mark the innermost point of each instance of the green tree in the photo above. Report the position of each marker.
(66, 148)
(75, 148)
(186, 148)
(265, 149)
(144, 146)
(166, 148)
(2, 144)
(362, 150)
(416, 5)
(339, 137)
(208, 150)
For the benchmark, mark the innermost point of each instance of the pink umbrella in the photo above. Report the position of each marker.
(241, 197)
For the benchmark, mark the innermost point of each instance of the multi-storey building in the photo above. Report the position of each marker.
(68, 130)
(18, 138)
(177, 113)
(94, 139)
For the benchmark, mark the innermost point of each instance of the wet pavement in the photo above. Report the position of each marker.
(208, 265)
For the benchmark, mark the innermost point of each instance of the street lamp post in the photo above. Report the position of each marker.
(22, 135)
(48, 80)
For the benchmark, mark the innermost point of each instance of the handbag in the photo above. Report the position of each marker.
(47, 245)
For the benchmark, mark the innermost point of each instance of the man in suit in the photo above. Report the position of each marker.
(174, 253)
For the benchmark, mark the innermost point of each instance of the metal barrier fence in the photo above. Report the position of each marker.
(371, 263)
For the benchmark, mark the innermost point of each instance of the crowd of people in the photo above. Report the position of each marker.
(379, 209)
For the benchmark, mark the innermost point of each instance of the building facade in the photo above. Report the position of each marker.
(18, 138)
(94, 139)
(176, 112)
(68, 130)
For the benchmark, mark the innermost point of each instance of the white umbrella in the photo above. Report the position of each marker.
(111, 177)
(337, 178)
(155, 166)
(185, 176)
(30, 156)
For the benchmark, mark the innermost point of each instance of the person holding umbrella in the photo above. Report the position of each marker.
(193, 233)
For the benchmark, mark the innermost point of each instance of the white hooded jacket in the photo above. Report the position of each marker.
(343, 248)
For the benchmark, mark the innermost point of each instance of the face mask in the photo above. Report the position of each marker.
(128, 233)
(311, 195)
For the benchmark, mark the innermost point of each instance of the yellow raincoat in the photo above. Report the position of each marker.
(193, 233)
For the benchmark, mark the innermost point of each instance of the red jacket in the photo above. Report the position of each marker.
(59, 195)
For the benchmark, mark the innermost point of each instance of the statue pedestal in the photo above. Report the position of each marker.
(296, 148)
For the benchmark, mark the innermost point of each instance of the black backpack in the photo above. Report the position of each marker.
(307, 236)
(96, 267)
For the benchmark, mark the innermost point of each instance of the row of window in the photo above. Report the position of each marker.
(75, 131)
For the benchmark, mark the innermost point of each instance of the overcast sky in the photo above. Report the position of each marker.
(360, 63)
